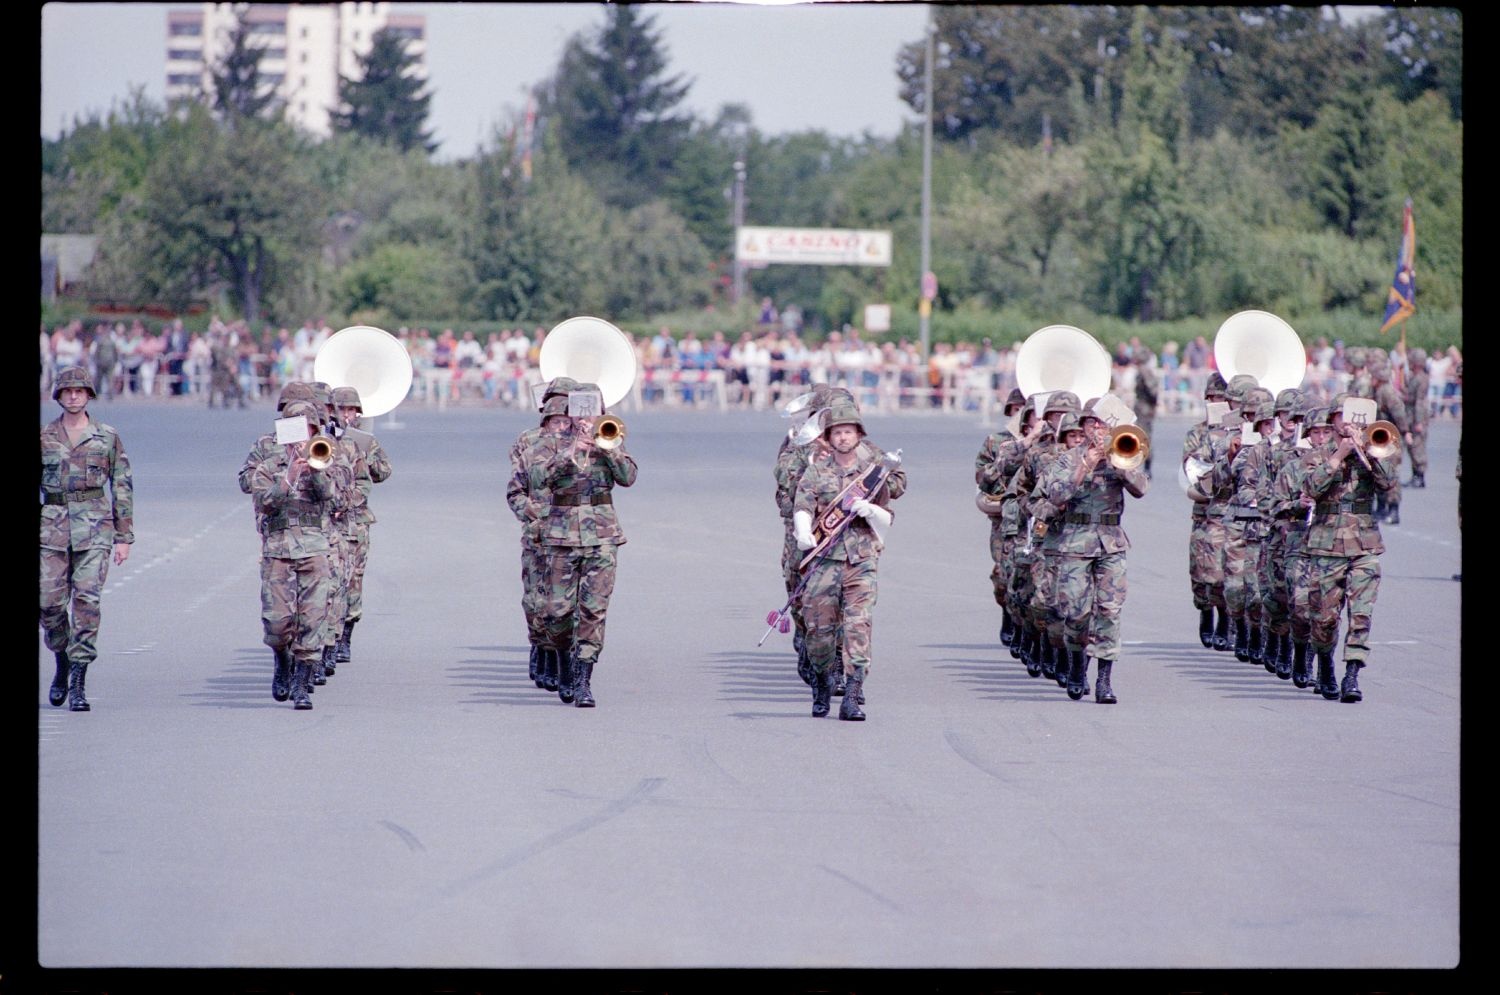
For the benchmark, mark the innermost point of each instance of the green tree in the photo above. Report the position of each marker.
(1424, 48)
(406, 283)
(89, 170)
(613, 105)
(656, 265)
(1345, 175)
(238, 90)
(385, 100)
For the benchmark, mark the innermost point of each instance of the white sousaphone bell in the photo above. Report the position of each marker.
(1062, 357)
(591, 350)
(369, 359)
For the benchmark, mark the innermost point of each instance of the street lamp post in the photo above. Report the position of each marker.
(739, 221)
(925, 306)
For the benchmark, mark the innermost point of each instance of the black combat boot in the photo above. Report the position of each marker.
(1017, 639)
(1078, 674)
(1326, 685)
(804, 662)
(531, 666)
(822, 692)
(302, 686)
(1256, 646)
(1060, 654)
(1007, 628)
(1031, 653)
(838, 672)
(1284, 656)
(565, 677)
(320, 667)
(1047, 657)
(1349, 689)
(1222, 639)
(1392, 514)
(1241, 640)
(1206, 627)
(549, 668)
(341, 648)
(281, 677)
(849, 709)
(76, 700)
(1417, 480)
(1301, 672)
(58, 692)
(1103, 693)
(583, 672)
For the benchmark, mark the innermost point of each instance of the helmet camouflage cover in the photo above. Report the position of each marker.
(73, 376)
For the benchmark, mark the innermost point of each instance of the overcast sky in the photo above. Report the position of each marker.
(828, 66)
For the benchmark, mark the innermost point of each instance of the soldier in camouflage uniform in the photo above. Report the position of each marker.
(1360, 384)
(530, 508)
(294, 505)
(1205, 533)
(1343, 548)
(1082, 499)
(1147, 397)
(223, 378)
(839, 599)
(88, 511)
(581, 533)
(1274, 549)
(1391, 407)
(1291, 511)
(791, 463)
(338, 549)
(1043, 652)
(1415, 395)
(1247, 473)
(1217, 488)
(998, 460)
(371, 466)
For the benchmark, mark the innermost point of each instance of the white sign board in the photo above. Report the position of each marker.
(877, 317)
(813, 246)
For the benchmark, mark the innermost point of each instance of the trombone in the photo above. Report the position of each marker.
(1128, 447)
(609, 432)
(319, 452)
(1382, 439)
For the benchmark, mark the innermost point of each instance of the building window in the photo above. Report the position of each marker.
(303, 60)
(183, 79)
(184, 54)
(274, 53)
(188, 30)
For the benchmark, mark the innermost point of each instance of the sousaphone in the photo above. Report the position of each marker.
(591, 350)
(369, 359)
(1062, 357)
(1262, 345)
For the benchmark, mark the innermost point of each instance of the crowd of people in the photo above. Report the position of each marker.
(760, 368)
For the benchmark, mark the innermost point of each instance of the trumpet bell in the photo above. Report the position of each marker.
(990, 504)
(1128, 447)
(609, 432)
(1382, 439)
(590, 350)
(1062, 357)
(369, 359)
(320, 451)
(1262, 345)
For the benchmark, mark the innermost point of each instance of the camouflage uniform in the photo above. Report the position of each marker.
(998, 460)
(1082, 499)
(1147, 397)
(1392, 408)
(1199, 444)
(1360, 384)
(223, 378)
(838, 600)
(580, 534)
(1211, 548)
(1245, 473)
(371, 466)
(1275, 549)
(1415, 395)
(295, 526)
(1343, 548)
(87, 507)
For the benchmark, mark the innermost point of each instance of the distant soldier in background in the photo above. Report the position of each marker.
(1414, 393)
(1147, 396)
(1391, 407)
(1359, 372)
(88, 511)
(223, 380)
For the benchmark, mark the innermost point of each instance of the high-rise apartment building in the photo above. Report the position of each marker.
(306, 48)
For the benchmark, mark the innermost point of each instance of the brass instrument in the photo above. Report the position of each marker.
(319, 452)
(1262, 345)
(369, 359)
(1062, 357)
(1382, 439)
(1128, 447)
(609, 432)
(990, 504)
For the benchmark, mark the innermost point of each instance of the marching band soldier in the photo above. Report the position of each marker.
(1275, 548)
(338, 548)
(530, 506)
(371, 466)
(88, 510)
(293, 502)
(998, 460)
(791, 463)
(1415, 395)
(1291, 510)
(1147, 397)
(1247, 472)
(839, 598)
(1392, 408)
(1044, 654)
(1205, 534)
(1083, 497)
(580, 535)
(1217, 487)
(1343, 548)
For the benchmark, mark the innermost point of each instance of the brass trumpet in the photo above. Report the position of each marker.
(319, 452)
(609, 432)
(1128, 447)
(1382, 439)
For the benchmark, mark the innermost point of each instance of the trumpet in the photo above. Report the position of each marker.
(609, 432)
(1382, 439)
(319, 452)
(1128, 447)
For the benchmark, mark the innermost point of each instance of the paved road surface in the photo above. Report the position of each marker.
(436, 810)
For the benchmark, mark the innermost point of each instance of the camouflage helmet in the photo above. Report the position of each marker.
(1239, 385)
(557, 404)
(1215, 387)
(559, 387)
(1290, 401)
(1355, 356)
(302, 408)
(322, 393)
(1254, 398)
(346, 397)
(1416, 357)
(294, 390)
(1071, 421)
(1317, 417)
(1062, 400)
(840, 396)
(1015, 399)
(842, 413)
(73, 376)
(1336, 402)
(1262, 408)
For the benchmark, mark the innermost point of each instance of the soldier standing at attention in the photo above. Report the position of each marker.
(1343, 549)
(1147, 396)
(1415, 395)
(371, 466)
(841, 586)
(88, 510)
(581, 534)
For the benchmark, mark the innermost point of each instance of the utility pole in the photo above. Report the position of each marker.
(924, 308)
(739, 221)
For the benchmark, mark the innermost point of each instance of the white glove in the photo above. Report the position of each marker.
(802, 530)
(872, 513)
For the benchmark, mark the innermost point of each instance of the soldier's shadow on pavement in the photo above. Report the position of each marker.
(766, 676)
(499, 675)
(245, 684)
(1221, 672)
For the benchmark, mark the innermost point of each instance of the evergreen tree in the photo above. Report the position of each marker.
(386, 100)
(238, 90)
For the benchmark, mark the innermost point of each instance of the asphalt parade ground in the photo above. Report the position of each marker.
(436, 810)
